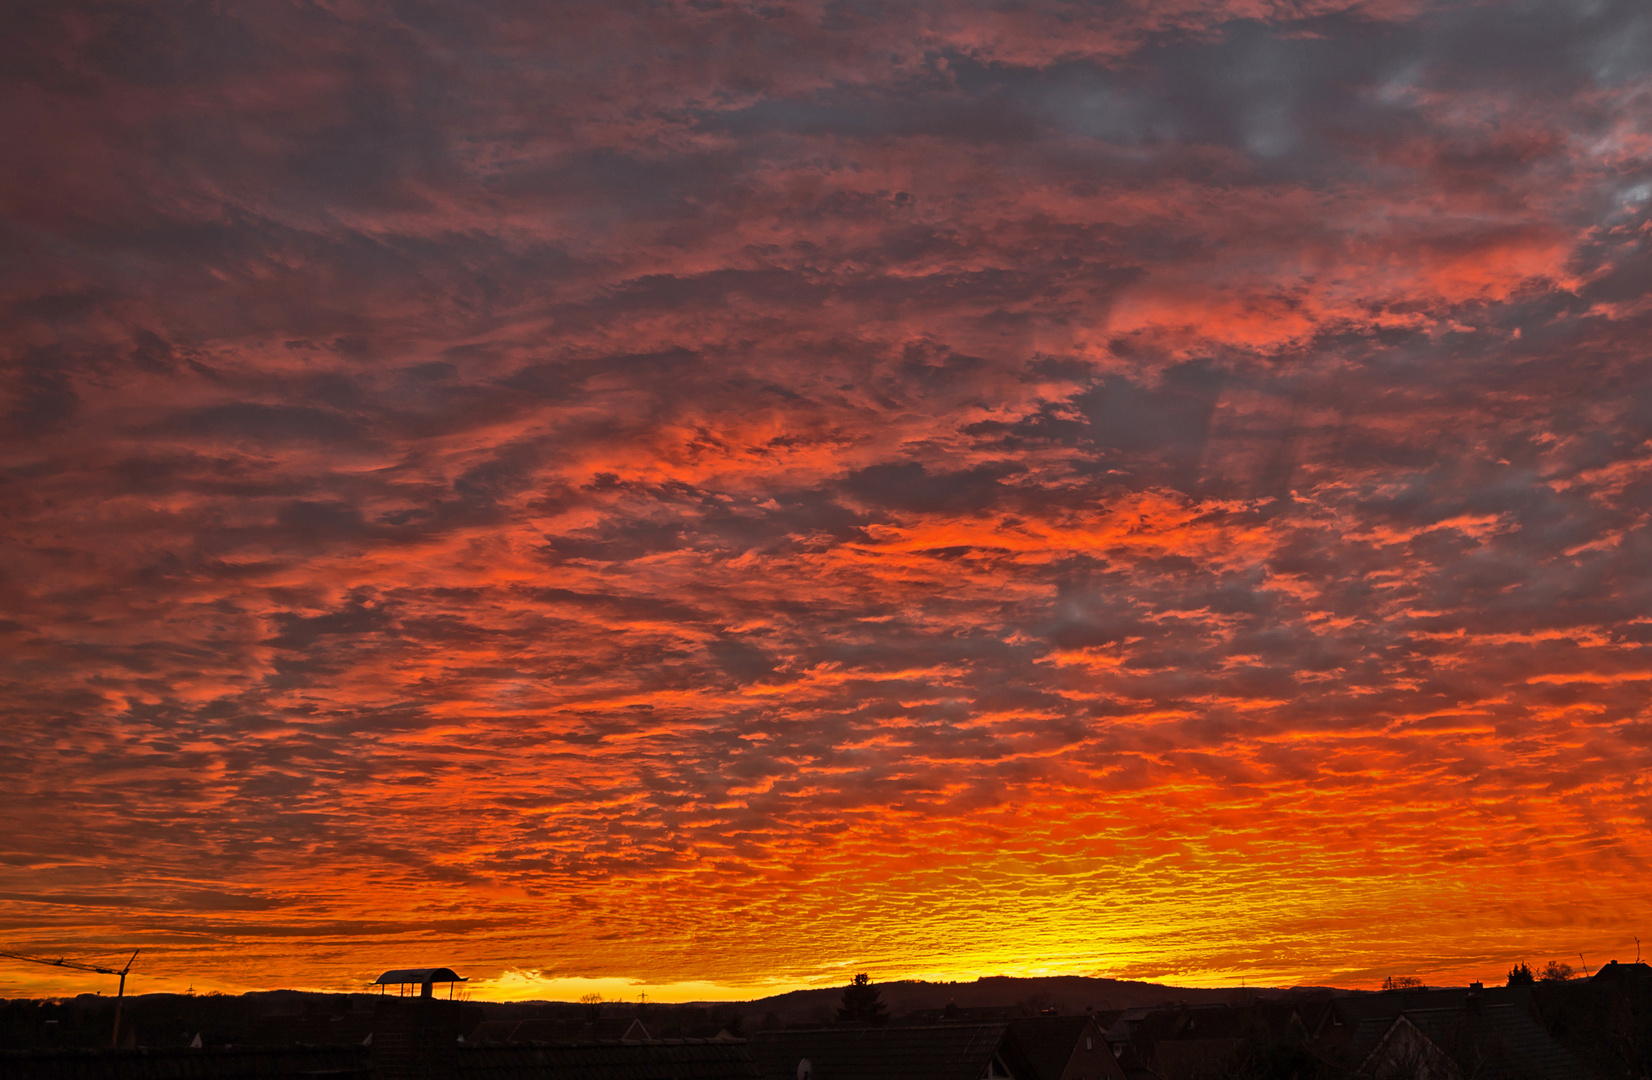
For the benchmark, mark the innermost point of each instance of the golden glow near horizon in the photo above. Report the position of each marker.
(699, 504)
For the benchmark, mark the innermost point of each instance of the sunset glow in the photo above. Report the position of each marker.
(702, 499)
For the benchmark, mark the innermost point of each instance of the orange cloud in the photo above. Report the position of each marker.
(701, 501)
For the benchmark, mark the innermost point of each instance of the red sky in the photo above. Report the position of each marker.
(699, 498)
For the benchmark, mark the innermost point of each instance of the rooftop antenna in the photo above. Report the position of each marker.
(1637, 950)
(1584, 962)
(76, 965)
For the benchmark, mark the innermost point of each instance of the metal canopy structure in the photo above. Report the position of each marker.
(425, 978)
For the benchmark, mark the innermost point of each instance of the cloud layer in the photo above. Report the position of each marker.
(735, 493)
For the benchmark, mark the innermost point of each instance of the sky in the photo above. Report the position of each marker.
(704, 498)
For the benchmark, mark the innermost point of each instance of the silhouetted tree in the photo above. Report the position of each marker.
(1556, 972)
(1521, 975)
(862, 1003)
(1402, 982)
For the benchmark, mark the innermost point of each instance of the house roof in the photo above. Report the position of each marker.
(1313, 1013)
(954, 1014)
(1193, 1059)
(1124, 1024)
(1367, 1034)
(212, 1063)
(1613, 971)
(1227, 1022)
(1047, 1042)
(938, 1052)
(1358, 1007)
(398, 976)
(1497, 1042)
(686, 1059)
(604, 1029)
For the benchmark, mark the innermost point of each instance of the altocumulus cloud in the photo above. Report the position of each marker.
(721, 491)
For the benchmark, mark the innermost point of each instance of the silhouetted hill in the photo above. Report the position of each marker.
(1066, 993)
(280, 1016)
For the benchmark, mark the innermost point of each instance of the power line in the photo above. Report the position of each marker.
(76, 965)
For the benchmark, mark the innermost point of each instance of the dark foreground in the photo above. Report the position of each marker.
(1598, 1028)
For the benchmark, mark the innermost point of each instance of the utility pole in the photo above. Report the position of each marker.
(76, 965)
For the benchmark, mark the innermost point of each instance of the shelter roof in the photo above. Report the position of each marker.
(399, 976)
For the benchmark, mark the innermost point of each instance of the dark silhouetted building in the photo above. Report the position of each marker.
(894, 1052)
(216, 1063)
(664, 1060)
(564, 1031)
(1473, 1040)
(1064, 1048)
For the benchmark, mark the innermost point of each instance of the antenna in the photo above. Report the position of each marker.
(1637, 950)
(76, 965)
(1584, 962)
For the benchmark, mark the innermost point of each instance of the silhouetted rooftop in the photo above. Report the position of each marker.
(679, 1060)
(540, 1030)
(941, 1052)
(218, 1063)
(400, 976)
(1047, 1042)
(1497, 1042)
(1194, 1059)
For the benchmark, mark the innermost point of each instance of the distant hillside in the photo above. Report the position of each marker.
(282, 1016)
(1066, 993)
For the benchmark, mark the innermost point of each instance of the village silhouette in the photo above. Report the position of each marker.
(1556, 1023)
